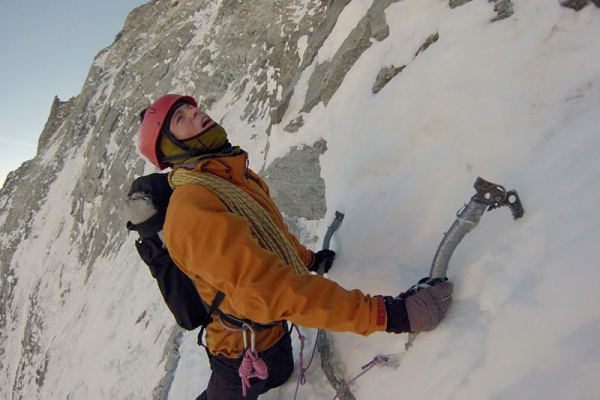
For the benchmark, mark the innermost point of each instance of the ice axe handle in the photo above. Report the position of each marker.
(339, 217)
(488, 196)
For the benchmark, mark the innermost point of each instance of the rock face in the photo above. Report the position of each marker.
(503, 8)
(329, 74)
(295, 178)
(578, 4)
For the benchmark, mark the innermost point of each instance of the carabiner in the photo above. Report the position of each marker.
(252, 337)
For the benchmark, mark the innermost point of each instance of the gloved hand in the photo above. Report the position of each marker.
(146, 204)
(322, 256)
(421, 308)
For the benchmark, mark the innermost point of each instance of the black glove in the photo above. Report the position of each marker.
(324, 257)
(421, 308)
(146, 204)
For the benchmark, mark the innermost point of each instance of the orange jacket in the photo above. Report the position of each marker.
(216, 249)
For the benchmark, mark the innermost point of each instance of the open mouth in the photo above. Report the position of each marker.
(206, 122)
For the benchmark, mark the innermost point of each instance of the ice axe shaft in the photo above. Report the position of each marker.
(339, 217)
(488, 196)
(465, 222)
(330, 362)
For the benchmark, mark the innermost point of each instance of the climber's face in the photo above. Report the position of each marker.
(188, 121)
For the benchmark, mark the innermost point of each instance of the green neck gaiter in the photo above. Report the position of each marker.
(210, 144)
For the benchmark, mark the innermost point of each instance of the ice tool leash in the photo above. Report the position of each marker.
(488, 196)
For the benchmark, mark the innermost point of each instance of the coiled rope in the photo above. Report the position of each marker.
(263, 228)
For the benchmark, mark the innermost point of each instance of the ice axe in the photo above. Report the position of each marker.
(330, 362)
(488, 196)
(339, 217)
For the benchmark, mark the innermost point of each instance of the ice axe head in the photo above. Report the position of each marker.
(496, 196)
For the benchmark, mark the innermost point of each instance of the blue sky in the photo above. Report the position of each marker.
(47, 48)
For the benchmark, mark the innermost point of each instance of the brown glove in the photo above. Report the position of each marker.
(421, 308)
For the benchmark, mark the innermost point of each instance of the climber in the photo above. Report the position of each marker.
(223, 230)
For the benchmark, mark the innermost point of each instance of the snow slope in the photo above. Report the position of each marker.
(515, 102)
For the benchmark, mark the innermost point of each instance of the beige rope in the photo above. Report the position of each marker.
(263, 228)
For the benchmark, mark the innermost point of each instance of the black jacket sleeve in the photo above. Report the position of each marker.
(177, 289)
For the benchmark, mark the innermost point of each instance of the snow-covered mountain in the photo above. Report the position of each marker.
(384, 110)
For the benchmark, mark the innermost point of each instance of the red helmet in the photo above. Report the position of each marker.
(152, 123)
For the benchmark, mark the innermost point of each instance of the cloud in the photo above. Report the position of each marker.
(17, 142)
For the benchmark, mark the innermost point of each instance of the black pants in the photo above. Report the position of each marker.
(226, 384)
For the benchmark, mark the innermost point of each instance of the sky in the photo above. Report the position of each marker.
(514, 102)
(47, 48)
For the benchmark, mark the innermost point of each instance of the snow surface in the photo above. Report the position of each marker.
(515, 102)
